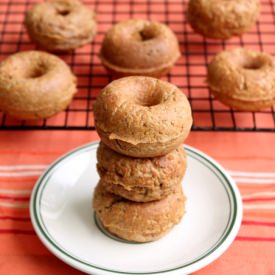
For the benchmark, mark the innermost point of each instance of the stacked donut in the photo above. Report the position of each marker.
(142, 122)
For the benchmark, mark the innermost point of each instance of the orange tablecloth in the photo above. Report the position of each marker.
(21, 252)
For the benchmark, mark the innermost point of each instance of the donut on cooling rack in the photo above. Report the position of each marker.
(222, 19)
(138, 222)
(142, 116)
(243, 79)
(35, 85)
(140, 179)
(60, 25)
(139, 47)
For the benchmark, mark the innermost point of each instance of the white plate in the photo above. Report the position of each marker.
(62, 216)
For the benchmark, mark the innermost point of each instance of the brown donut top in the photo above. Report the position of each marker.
(140, 172)
(222, 18)
(243, 74)
(140, 109)
(32, 77)
(56, 21)
(140, 44)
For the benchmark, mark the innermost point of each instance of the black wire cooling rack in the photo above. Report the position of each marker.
(189, 74)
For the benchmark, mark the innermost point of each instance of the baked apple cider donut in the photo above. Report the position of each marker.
(138, 222)
(140, 179)
(222, 19)
(35, 85)
(243, 79)
(142, 116)
(139, 47)
(60, 25)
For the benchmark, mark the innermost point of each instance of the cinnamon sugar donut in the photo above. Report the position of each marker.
(139, 47)
(60, 25)
(35, 85)
(138, 222)
(222, 19)
(140, 179)
(142, 116)
(243, 79)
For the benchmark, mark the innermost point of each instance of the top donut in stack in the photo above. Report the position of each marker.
(142, 117)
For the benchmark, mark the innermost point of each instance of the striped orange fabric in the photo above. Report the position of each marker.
(22, 161)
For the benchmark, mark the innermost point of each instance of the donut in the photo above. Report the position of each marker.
(138, 222)
(243, 79)
(139, 47)
(140, 179)
(222, 19)
(60, 25)
(142, 116)
(35, 85)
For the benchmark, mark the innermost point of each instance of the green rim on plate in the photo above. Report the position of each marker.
(57, 249)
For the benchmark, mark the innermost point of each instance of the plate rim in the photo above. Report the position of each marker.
(207, 257)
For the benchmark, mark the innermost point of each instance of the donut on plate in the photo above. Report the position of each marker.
(60, 25)
(35, 85)
(243, 79)
(139, 47)
(140, 179)
(222, 19)
(142, 116)
(138, 222)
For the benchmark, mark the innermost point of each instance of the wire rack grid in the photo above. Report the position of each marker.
(189, 74)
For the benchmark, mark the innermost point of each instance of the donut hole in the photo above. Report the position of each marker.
(146, 34)
(35, 73)
(149, 102)
(148, 99)
(253, 64)
(32, 72)
(63, 11)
